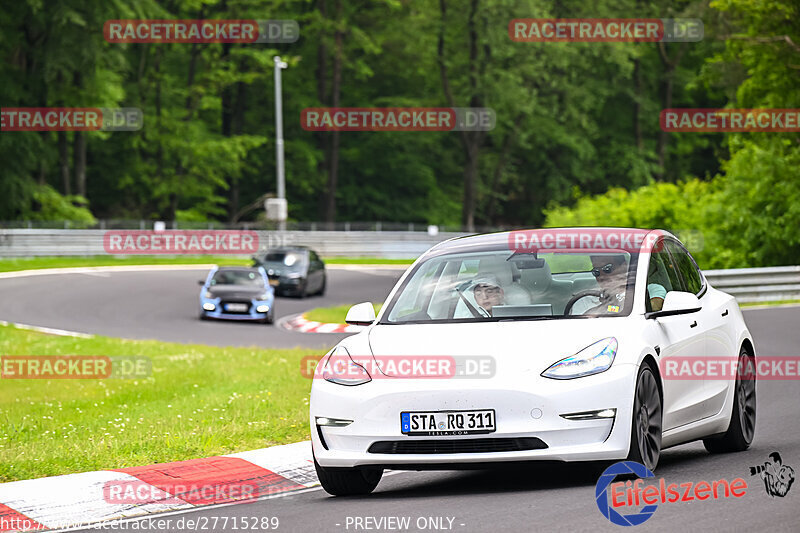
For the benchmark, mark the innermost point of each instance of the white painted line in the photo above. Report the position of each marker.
(155, 268)
(49, 331)
(759, 307)
(367, 267)
(101, 269)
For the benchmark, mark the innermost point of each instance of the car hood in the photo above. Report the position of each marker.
(245, 293)
(517, 346)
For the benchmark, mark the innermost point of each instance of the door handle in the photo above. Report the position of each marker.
(725, 313)
(693, 324)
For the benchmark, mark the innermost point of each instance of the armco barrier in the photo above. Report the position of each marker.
(746, 284)
(758, 284)
(77, 242)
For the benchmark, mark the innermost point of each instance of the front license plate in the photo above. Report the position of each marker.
(274, 282)
(442, 423)
(236, 308)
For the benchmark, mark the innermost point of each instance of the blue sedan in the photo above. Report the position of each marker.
(237, 293)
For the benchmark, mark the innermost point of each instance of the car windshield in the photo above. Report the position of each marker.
(506, 285)
(288, 259)
(237, 277)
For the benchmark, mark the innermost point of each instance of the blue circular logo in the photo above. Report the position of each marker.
(601, 494)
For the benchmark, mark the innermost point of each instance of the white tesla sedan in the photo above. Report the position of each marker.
(533, 345)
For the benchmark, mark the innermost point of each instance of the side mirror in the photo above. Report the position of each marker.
(677, 303)
(362, 314)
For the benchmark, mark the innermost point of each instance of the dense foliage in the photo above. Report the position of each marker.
(577, 139)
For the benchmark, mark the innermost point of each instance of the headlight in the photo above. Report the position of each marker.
(208, 295)
(342, 370)
(593, 359)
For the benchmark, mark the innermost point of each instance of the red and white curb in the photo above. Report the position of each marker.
(78, 500)
(302, 324)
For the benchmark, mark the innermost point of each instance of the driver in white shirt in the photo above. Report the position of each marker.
(611, 274)
(488, 293)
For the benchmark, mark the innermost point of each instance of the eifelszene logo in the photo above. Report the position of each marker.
(778, 477)
(613, 496)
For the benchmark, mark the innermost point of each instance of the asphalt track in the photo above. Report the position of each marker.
(163, 305)
(534, 498)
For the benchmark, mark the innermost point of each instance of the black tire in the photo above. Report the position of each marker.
(202, 315)
(742, 427)
(301, 289)
(647, 420)
(321, 291)
(356, 481)
(270, 317)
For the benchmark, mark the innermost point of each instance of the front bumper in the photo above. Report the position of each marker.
(285, 284)
(218, 312)
(525, 405)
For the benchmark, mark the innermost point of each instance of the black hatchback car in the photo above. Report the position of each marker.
(298, 270)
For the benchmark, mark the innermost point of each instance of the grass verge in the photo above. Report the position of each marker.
(367, 261)
(333, 315)
(764, 304)
(199, 401)
(29, 263)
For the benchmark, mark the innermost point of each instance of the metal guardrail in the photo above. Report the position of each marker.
(758, 284)
(389, 245)
(746, 284)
